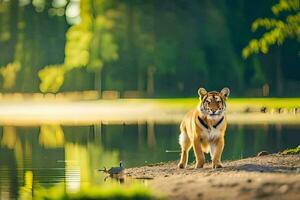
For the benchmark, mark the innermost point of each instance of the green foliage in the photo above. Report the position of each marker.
(89, 44)
(5, 34)
(103, 48)
(291, 151)
(9, 73)
(172, 45)
(105, 192)
(79, 38)
(77, 46)
(277, 30)
(285, 5)
(52, 78)
(165, 56)
(108, 49)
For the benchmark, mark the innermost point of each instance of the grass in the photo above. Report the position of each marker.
(291, 151)
(267, 102)
(104, 192)
(233, 103)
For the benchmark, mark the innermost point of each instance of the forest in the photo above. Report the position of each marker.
(155, 48)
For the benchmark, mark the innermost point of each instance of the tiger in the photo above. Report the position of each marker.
(203, 128)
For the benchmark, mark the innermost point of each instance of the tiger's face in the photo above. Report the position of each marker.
(213, 104)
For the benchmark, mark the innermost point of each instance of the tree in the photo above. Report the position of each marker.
(286, 26)
(89, 44)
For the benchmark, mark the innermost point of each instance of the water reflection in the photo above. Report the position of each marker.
(31, 157)
(51, 136)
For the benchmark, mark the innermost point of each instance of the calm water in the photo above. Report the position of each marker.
(44, 156)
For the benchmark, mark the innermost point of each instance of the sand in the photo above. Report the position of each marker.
(273, 176)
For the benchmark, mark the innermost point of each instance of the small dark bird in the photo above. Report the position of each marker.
(114, 172)
(263, 109)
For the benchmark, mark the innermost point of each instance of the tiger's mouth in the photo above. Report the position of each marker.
(214, 115)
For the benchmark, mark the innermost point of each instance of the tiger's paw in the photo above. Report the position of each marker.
(181, 166)
(199, 165)
(216, 165)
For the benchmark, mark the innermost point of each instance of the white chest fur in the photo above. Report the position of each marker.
(212, 134)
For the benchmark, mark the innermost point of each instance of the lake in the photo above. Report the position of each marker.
(32, 157)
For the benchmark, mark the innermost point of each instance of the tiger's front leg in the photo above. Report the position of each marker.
(198, 153)
(216, 152)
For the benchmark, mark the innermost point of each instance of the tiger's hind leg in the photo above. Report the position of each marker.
(185, 144)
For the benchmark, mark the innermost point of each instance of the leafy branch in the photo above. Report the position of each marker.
(277, 30)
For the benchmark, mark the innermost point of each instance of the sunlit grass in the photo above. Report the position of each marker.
(234, 103)
(106, 191)
(295, 150)
(267, 102)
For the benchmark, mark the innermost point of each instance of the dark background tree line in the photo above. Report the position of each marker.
(158, 48)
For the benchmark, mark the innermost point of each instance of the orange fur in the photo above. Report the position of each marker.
(202, 139)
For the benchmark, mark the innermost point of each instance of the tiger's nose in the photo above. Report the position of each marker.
(214, 110)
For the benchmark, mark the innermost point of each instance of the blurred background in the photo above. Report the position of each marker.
(87, 83)
(150, 48)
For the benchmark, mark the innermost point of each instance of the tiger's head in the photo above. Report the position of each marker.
(213, 104)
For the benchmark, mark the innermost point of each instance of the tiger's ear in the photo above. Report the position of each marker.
(225, 92)
(202, 92)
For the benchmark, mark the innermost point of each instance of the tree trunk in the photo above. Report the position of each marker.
(140, 80)
(132, 48)
(150, 81)
(14, 5)
(98, 82)
(279, 78)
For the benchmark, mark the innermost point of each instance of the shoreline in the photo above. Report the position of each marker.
(273, 176)
(125, 111)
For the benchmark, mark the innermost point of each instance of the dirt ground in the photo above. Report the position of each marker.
(265, 177)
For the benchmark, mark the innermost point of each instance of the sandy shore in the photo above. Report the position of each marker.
(266, 177)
